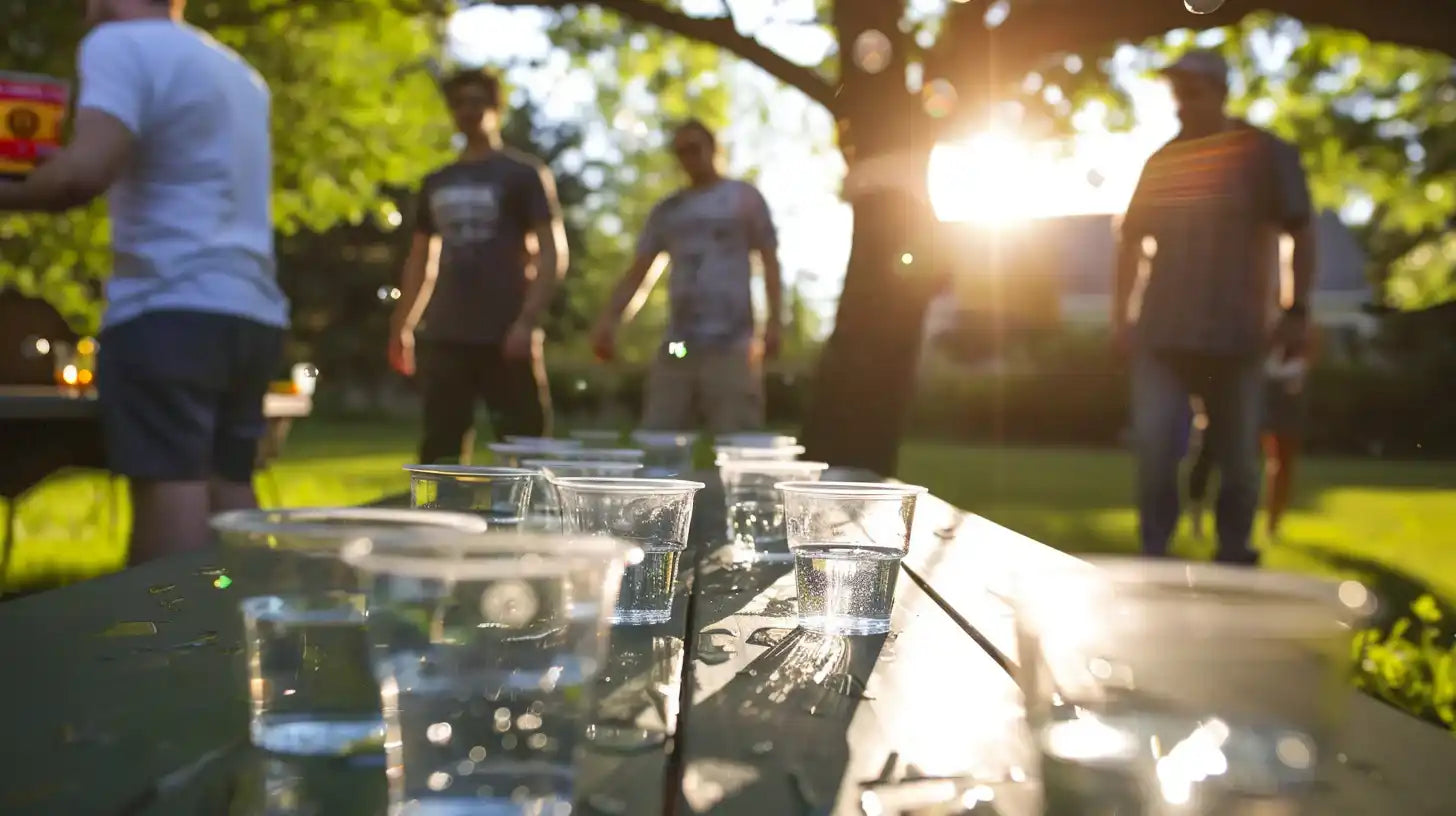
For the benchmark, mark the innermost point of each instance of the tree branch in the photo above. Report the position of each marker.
(1034, 32)
(718, 31)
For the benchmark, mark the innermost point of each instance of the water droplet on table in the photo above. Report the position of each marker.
(761, 748)
(768, 636)
(130, 629)
(158, 589)
(717, 646)
(205, 639)
(210, 572)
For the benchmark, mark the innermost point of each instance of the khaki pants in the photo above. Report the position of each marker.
(722, 386)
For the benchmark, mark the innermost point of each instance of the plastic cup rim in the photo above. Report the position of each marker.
(505, 555)
(542, 441)
(469, 471)
(613, 484)
(852, 490)
(1279, 600)
(342, 522)
(773, 466)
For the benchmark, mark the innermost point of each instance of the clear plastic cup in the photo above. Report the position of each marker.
(654, 514)
(597, 437)
(848, 539)
(546, 444)
(501, 495)
(756, 440)
(754, 506)
(669, 453)
(598, 455)
(511, 454)
(307, 663)
(487, 656)
(736, 453)
(1158, 686)
(546, 505)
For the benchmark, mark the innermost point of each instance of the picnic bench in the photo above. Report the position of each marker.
(133, 699)
(45, 429)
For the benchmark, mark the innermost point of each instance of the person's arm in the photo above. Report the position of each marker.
(416, 283)
(1294, 212)
(109, 117)
(631, 288)
(1131, 233)
(765, 242)
(547, 248)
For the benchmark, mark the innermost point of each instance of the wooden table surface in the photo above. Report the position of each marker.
(769, 720)
(43, 402)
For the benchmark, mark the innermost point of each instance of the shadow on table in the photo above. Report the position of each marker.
(773, 739)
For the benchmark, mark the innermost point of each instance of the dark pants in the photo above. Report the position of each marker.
(1232, 390)
(454, 375)
(181, 395)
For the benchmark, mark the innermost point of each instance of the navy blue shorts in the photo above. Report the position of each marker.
(181, 394)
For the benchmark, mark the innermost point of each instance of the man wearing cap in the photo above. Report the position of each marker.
(1207, 218)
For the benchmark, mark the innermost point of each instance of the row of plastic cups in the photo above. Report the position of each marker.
(477, 654)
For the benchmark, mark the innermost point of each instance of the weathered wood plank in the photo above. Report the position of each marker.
(1395, 763)
(785, 721)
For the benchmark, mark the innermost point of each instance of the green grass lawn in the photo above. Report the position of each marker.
(1392, 524)
(1399, 516)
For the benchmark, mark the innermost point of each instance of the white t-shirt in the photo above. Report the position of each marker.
(191, 225)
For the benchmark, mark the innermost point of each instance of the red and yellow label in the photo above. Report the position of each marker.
(32, 113)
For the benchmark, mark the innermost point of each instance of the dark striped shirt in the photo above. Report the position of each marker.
(1215, 208)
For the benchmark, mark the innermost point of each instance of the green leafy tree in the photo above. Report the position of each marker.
(346, 125)
(966, 56)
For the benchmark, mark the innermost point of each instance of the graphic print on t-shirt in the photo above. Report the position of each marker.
(466, 213)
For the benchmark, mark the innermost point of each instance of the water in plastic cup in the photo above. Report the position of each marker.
(655, 515)
(500, 495)
(487, 659)
(307, 658)
(753, 505)
(847, 539)
(668, 453)
(1165, 687)
(737, 453)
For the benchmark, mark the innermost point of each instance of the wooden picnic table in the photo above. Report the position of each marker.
(769, 719)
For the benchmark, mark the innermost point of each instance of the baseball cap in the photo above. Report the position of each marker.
(1205, 64)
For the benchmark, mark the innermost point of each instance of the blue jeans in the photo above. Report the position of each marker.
(1232, 392)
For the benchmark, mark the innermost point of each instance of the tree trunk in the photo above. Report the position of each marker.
(867, 371)
(866, 374)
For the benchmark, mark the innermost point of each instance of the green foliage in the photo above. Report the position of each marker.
(1374, 123)
(343, 126)
(1412, 665)
(645, 81)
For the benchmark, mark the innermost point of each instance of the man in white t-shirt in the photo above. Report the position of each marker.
(174, 126)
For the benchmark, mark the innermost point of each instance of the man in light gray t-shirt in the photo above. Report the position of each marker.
(710, 230)
(175, 127)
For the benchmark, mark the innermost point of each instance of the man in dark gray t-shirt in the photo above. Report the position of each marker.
(488, 249)
(1206, 219)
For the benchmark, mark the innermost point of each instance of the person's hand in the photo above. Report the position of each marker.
(604, 340)
(1291, 335)
(772, 341)
(402, 352)
(519, 341)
